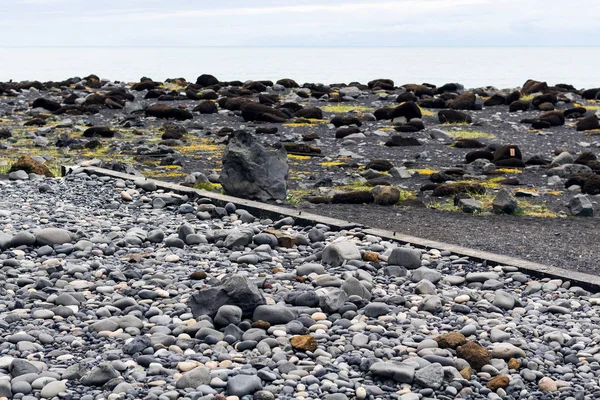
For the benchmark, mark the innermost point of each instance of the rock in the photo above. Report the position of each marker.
(20, 367)
(497, 382)
(385, 195)
(353, 287)
(165, 112)
(337, 253)
(504, 202)
(206, 107)
(452, 189)
(400, 372)
(228, 314)
(507, 351)
(99, 131)
(259, 112)
(375, 310)
(533, 86)
(274, 314)
(205, 80)
(242, 385)
(581, 206)
(450, 340)
(331, 298)
(588, 123)
(424, 273)
(408, 110)
(99, 375)
(253, 172)
(470, 205)
(46, 104)
(18, 175)
(238, 238)
(22, 239)
(547, 385)
(304, 342)
(235, 290)
(554, 118)
(504, 300)
(52, 236)
(310, 113)
(405, 257)
(52, 389)
(29, 165)
(465, 101)
(430, 376)
(194, 378)
(453, 117)
(563, 158)
(341, 120)
(474, 354)
(401, 141)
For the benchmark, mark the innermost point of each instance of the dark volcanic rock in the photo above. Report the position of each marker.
(532, 86)
(466, 101)
(454, 116)
(409, 110)
(519, 105)
(341, 120)
(357, 197)
(588, 123)
(207, 107)
(477, 154)
(259, 112)
(236, 290)
(401, 141)
(555, 118)
(496, 100)
(205, 80)
(310, 112)
(46, 104)
(164, 111)
(452, 189)
(343, 132)
(99, 131)
(253, 172)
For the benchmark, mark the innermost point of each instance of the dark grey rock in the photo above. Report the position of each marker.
(405, 257)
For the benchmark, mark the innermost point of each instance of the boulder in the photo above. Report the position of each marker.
(252, 171)
(496, 100)
(453, 117)
(504, 203)
(341, 120)
(507, 152)
(386, 195)
(405, 257)
(205, 80)
(310, 112)
(29, 165)
(288, 83)
(476, 355)
(235, 290)
(46, 104)
(259, 112)
(519, 105)
(588, 123)
(554, 118)
(99, 131)
(52, 236)
(165, 112)
(581, 206)
(533, 86)
(466, 101)
(337, 253)
(402, 141)
(207, 107)
(408, 110)
(355, 197)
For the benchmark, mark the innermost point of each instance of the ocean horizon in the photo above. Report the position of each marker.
(501, 67)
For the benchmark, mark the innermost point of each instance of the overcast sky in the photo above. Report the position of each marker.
(299, 23)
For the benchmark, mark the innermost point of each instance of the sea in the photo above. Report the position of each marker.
(501, 67)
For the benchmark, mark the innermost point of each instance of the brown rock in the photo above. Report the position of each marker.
(260, 324)
(31, 166)
(450, 340)
(476, 355)
(304, 342)
(547, 385)
(386, 195)
(198, 275)
(283, 239)
(498, 382)
(466, 373)
(513, 363)
(371, 256)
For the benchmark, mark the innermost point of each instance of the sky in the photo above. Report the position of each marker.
(299, 23)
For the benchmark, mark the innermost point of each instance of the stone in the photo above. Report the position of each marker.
(52, 236)
(504, 203)
(581, 206)
(194, 378)
(547, 385)
(353, 287)
(52, 389)
(450, 340)
(497, 382)
(235, 290)
(274, 314)
(228, 314)
(400, 372)
(253, 172)
(242, 385)
(331, 298)
(504, 300)
(99, 375)
(430, 376)
(304, 342)
(476, 355)
(20, 367)
(375, 310)
(385, 195)
(30, 166)
(405, 257)
(507, 351)
(337, 253)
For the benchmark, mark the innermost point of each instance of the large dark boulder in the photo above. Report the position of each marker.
(259, 112)
(554, 118)
(401, 141)
(205, 80)
(343, 132)
(255, 86)
(357, 197)
(466, 101)
(207, 107)
(496, 100)
(341, 120)
(232, 103)
(450, 87)
(164, 111)
(575, 112)
(408, 110)
(420, 90)
(288, 83)
(507, 152)
(99, 131)
(381, 83)
(310, 112)
(236, 290)
(46, 104)
(532, 86)
(435, 102)
(253, 172)
(588, 123)
(478, 154)
(453, 117)
(544, 98)
(591, 94)
(29, 165)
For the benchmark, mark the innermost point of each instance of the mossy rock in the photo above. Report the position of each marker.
(29, 165)
(452, 189)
